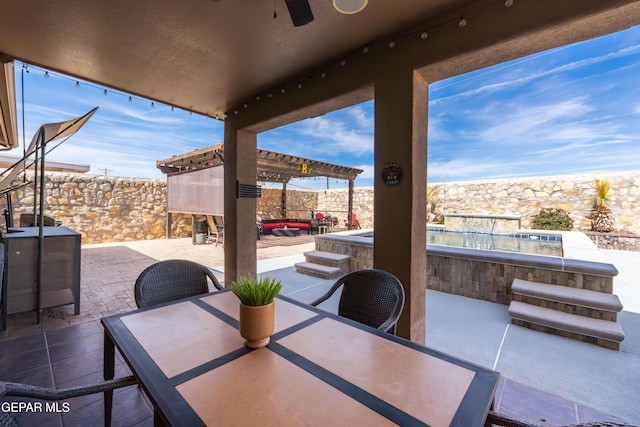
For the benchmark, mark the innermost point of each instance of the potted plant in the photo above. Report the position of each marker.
(256, 308)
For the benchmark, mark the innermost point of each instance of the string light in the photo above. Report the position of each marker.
(423, 34)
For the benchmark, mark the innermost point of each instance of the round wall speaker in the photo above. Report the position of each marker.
(349, 7)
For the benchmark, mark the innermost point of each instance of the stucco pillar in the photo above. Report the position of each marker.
(401, 107)
(239, 213)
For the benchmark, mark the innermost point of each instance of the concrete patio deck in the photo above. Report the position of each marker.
(548, 379)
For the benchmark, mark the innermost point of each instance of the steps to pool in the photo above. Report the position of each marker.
(325, 265)
(581, 314)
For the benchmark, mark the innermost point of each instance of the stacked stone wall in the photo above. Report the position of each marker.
(300, 203)
(113, 209)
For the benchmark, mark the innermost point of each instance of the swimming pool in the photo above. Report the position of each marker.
(488, 274)
(534, 244)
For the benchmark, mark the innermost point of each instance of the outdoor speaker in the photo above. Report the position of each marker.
(300, 12)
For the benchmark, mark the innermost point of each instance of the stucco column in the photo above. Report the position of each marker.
(401, 109)
(239, 213)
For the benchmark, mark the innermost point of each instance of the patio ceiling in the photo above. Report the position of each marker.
(271, 166)
(213, 57)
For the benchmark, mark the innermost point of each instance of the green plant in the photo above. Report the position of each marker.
(256, 292)
(552, 219)
(601, 216)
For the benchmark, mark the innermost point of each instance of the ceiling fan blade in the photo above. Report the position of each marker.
(300, 12)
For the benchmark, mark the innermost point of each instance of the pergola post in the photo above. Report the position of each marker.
(350, 207)
(283, 203)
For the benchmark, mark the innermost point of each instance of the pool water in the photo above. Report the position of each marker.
(527, 244)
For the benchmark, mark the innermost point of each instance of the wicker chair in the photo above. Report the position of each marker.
(172, 279)
(498, 419)
(371, 297)
(8, 389)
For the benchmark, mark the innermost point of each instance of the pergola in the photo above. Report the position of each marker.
(270, 167)
(245, 64)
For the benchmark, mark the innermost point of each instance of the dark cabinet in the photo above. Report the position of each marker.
(60, 283)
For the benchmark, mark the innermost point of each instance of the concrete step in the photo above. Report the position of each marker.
(597, 331)
(317, 270)
(328, 259)
(567, 295)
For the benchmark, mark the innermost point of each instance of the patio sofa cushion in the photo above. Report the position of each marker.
(302, 224)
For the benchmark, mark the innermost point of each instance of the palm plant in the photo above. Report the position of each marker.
(601, 216)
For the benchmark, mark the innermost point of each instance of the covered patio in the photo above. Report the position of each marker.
(248, 65)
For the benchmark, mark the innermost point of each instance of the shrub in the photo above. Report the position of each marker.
(552, 219)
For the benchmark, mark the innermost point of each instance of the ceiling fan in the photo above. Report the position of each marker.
(300, 10)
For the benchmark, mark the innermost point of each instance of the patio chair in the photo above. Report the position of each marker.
(172, 279)
(9, 389)
(372, 297)
(216, 229)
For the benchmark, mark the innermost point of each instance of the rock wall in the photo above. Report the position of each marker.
(105, 208)
(114, 209)
(522, 197)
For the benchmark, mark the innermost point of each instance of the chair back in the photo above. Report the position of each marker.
(320, 216)
(372, 297)
(171, 280)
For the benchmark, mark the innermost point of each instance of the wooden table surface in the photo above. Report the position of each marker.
(319, 369)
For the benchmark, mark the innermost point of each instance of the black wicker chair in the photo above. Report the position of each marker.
(9, 389)
(371, 297)
(172, 279)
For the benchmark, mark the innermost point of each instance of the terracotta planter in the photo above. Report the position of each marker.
(257, 324)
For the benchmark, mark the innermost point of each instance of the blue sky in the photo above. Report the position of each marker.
(571, 110)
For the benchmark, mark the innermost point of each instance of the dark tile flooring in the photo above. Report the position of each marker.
(69, 357)
(73, 356)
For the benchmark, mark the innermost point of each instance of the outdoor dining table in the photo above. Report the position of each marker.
(319, 369)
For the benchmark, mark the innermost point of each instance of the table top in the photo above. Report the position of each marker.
(319, 369)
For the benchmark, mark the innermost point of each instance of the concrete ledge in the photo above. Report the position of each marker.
(567, 295)
(602, 329)
(327, 256)
(322, 271)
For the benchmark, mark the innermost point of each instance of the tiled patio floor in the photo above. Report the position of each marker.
(66, 350)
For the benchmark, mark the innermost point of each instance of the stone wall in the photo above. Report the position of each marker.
(105, 208)
(300, 204)
(523, 197)
(114, 209)
(336, 203)
(526, 196)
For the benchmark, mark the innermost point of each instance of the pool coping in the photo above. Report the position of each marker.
(580, 255)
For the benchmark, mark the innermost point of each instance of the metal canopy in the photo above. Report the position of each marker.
(271, 166)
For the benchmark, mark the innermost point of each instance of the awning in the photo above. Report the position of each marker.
(8, 116)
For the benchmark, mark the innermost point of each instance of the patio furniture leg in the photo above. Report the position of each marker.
(109, 372)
